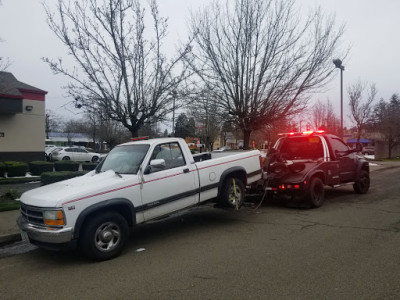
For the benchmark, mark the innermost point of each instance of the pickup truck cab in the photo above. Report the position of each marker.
(300, 164)
(137, 182)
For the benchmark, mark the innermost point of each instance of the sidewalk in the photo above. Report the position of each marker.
(9, 231)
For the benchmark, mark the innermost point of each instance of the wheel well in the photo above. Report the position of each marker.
(240, 174)
(365, 167)
(123, 209)
(320, 175)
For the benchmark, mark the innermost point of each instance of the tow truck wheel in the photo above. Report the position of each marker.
(232, 194)
(316, 193)
(104, 236)
(361, 186)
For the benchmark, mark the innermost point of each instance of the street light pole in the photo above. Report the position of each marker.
(338, 64)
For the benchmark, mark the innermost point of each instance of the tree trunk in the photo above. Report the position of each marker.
(246, 139)
(134, 132)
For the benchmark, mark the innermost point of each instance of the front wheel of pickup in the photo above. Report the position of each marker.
(232, 194)
(316, 193)
(104, 236)
(361, 186)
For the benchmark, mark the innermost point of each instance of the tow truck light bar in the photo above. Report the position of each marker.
(308, 132)
(142, 138)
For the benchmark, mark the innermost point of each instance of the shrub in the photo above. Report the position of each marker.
(2, 169)
(52, 177)
(88, 166)
(38, 167)
(66, 165)
(10, 194)
(16, 168)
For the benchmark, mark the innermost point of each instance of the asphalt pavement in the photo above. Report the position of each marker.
(9, 231)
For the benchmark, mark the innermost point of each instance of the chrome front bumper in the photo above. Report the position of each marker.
(45, 234)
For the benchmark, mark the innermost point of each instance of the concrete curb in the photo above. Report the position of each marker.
(10, 238)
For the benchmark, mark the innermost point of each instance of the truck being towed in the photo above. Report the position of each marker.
(137, 182)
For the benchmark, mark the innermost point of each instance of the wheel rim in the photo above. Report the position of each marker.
(107, 236)
(317, 193)
(235, 196)
(66, 158)
(364, 183)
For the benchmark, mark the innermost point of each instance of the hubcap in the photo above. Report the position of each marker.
(107, 236)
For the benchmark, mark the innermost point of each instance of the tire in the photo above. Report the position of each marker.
(66, 158)
(95, 159)
(316, 193)
(361, 186)
(104, 236)
(231, 197)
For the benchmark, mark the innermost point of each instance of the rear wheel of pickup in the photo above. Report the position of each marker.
(104, 236)
(232, 194)
(361, 186)
(316, 193)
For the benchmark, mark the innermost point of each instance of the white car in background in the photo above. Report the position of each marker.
(48, 152)
(75, 154)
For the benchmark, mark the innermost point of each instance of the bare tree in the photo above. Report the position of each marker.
(324, 117)
(120, 69)
(4, 61)
(260, 60)
(387, 121)
(361, 106)
(113, 133)
(206, 113)
(52, 122)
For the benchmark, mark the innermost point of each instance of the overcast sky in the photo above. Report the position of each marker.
(372, 30)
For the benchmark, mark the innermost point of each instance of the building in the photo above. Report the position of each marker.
(22, 120)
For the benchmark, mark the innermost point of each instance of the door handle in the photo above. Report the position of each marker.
(186, 170)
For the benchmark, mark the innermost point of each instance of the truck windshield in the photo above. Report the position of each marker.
(309, 147)
(124, 159)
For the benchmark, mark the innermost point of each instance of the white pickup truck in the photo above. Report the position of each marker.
(137, 182)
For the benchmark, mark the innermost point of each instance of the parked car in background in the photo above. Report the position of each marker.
(48, 149)
(48, 153)
(75, 154)
(368, 150)
(224, 148)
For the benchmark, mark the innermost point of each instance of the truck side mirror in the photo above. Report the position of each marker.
(155, 165)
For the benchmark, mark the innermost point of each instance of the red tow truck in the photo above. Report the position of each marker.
(300, 164)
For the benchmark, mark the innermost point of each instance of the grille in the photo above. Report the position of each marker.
(32, 214)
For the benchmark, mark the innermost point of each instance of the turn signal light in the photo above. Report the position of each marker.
(53, 218)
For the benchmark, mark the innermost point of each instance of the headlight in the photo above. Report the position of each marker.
(53, 217)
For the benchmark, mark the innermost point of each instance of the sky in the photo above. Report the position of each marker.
(372, 31)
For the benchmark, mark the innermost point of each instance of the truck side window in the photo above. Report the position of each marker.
(338, 145)
(171, 153)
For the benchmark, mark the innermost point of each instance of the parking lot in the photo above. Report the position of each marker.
(347, 249)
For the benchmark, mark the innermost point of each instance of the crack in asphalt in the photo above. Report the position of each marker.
(347, 227)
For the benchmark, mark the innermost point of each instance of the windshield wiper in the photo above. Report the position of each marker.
(118, 174)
